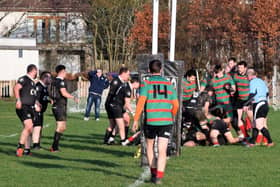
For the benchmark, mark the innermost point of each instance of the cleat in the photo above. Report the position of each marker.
(27, 153)
(216, 145)
(157, 181)
(126, 142)
(54, 150)
(37, 147)
(270, 144)
(97, 119)
(19, 152)
(86, 118)
(111, 141)
(250, 145)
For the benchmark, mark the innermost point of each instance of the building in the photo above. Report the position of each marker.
(57, 26)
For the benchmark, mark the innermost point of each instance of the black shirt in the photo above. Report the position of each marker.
(28, 91)
(118, 92)
(56, 95)
(42, 95)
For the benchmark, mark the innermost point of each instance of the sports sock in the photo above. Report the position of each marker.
(254, 135)
(160, 174)
(264, 140)
(56, 139)
(126, 132)
(243, 130)
(248, 123)
(107, 135)
(259, 138)
(266, 134)
(153, 172)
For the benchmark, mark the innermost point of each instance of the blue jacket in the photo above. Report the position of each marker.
(97, 84)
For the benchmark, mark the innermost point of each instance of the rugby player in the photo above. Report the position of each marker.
(259, 94)
(43, 98)
(114, 105)
(161, 104)
(25, 93)
(60, 95)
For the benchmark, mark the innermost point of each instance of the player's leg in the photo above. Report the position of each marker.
(242, 133)
(214, 133)
(37, 128)
(230, 138)
(126, 119)
(60, 128)
(121, 127)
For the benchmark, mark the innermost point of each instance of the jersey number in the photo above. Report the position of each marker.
(160, 92)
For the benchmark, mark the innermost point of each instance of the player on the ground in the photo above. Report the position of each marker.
(158, 99)
(258, 94)
(25, 93)
(43, 98)
(60, 95)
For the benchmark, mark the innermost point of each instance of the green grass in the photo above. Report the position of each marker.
(85, 161)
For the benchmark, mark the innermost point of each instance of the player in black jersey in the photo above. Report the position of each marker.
(59, 94)
(25, 93)
(43, 98)
(115, 102)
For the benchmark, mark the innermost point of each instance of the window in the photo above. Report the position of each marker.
(20, 53)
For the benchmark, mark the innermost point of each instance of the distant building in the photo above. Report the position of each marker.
(56, 25)
(15, 56)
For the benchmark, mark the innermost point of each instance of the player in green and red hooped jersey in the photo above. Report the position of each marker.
(224, 87)
(159, 98)
(242, 87)
(189, 84)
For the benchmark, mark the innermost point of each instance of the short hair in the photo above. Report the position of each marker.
(44, 74)
(232, 58)
(155, 66)
(59, 68)
(31, 67)
(190, 73)
(251, 72)
(242, 63)
(218, 68)
(133, 80)
(123, 70)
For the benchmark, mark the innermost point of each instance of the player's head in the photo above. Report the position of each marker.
(32, 70)
(191, 75)
(135, 83)
(45, 77)
(155, 66)
(218, 70)
(251, 73)
(124, 73)
(60, 70)
(231, 62)
(242, 67)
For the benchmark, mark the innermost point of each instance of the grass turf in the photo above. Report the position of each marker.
(85, 161)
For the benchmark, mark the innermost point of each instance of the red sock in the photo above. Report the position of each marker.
(131, 139)
(248, 123)
(160, 174)
(259, 138)
(243, 130)
(153, 171)
(265, 141)
(216, 143)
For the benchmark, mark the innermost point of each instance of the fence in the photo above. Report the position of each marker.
(6, 88)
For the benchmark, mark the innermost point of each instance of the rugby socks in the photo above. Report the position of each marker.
(259, 138)
(153, 172)
(107, 135)
(254, 135)
(243, 130)
(126, 132)
(248, 123)
(56, 139)
(160, 174)
(266, 134)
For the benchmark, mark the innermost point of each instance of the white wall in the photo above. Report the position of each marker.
(12, 67)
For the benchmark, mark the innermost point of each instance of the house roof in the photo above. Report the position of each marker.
(44, 5)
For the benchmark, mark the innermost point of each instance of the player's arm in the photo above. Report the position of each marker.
(17, 88)
(66, 94)
(139, 108)
(127, 105)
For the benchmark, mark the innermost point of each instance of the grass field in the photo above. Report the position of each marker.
(85, 161)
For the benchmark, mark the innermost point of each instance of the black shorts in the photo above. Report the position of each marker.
(151, 131)
(38, 119)
(240, 103)
(114, 111)
(26, 112)
(60, 112)
(260, 109)
(221, 126)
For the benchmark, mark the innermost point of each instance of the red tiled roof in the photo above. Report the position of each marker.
(44, 5)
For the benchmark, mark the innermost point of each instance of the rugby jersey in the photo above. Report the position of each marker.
(242, 86)
(222, 96)
(188, 89)
(160, 95)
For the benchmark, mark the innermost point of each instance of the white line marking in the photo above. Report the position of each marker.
(144, 175)
(15, 134)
